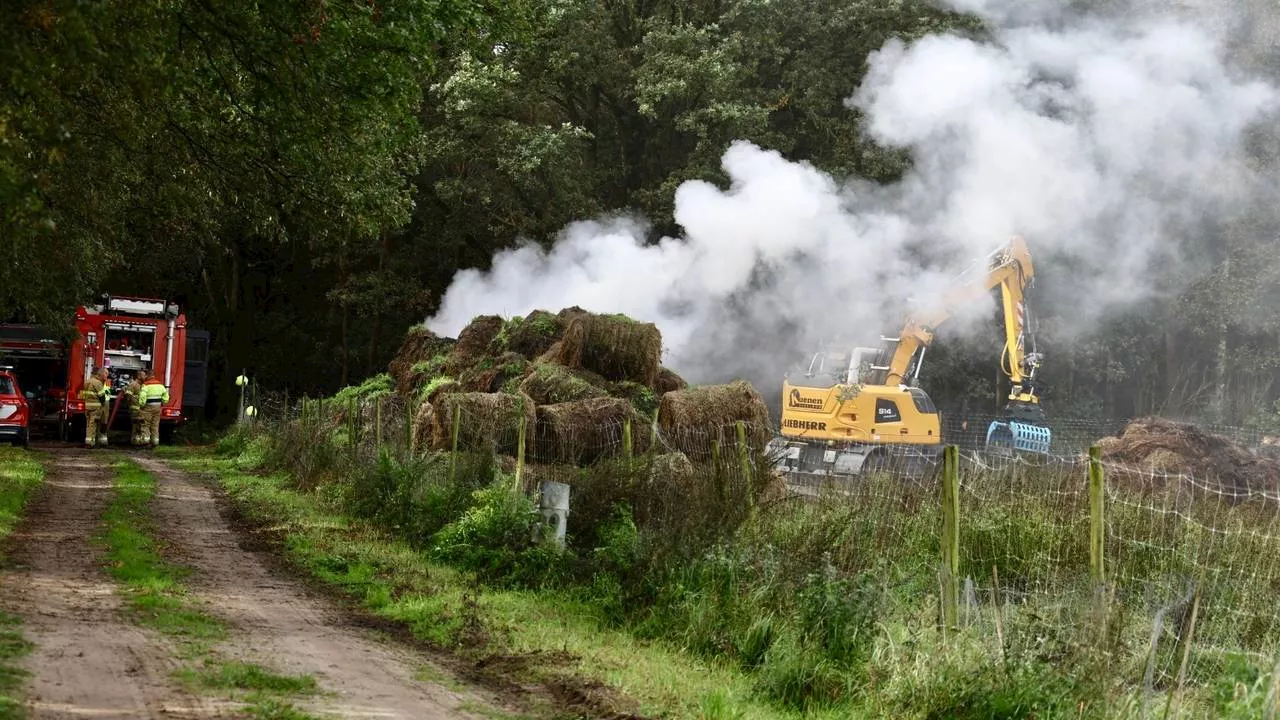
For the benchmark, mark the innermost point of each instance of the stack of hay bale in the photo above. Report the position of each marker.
(575, 378)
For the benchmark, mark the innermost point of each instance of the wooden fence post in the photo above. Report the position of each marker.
(523, 429)
(950, 536)
(453, 453)
(1097, 519)
(626, 438)
(408, 433)
(377, 424)
(653, 431)
(744, 460)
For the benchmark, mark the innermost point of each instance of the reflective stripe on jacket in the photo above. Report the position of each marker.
(153, 392)
(94, 392)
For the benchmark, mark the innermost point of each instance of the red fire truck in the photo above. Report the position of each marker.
(124, 334)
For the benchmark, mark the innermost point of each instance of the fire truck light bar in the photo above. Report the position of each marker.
(135, 307)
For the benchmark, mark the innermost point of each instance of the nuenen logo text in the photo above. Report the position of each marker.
(803, 402)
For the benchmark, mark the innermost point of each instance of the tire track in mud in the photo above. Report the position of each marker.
(276, 621)
(89, 659)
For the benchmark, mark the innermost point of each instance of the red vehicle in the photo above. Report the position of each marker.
(124, 334)
(14, 413)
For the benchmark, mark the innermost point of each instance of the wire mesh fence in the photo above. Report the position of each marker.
(1167, 575)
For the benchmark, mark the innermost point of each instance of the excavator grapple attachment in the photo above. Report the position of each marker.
(1010, 435)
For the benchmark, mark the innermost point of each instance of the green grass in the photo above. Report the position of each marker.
(214, 674)
(12, 647)
(152, 587)
(20, 475)
(157, 598)
(438, 604)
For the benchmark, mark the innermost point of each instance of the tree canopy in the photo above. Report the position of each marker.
(306, 176)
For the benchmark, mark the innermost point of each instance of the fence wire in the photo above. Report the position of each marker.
(1188, 568)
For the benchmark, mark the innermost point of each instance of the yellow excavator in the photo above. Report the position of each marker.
(857, 409)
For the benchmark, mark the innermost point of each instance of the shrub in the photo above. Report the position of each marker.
(494, 538)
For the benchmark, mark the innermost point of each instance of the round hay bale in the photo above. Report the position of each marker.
(693, 418)
(669, 381)
(511, 367)
(423, 420)
(671, 470)
(487, 422)
(534, 334)
(439, 386)
(617, 347)
(642, 397)
(551, 384)
(420, 345)
(583, 431)
(566, 351)
(490, 374)
(473, 344)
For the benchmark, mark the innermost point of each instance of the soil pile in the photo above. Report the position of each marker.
(1164, 446)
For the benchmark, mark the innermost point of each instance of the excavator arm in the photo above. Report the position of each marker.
(1010, 271)
(1008, 268)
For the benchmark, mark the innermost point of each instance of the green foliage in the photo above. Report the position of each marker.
(494, 537)
(12, 648)
(989, 692)
(432, 385)
(430, 368)
(641, 396)
(415, 498)
(372, 388)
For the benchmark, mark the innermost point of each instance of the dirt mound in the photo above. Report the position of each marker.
(1164, 446)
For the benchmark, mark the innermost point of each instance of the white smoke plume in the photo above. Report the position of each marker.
(1107, 142)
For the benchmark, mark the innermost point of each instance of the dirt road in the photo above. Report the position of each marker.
(90, 661)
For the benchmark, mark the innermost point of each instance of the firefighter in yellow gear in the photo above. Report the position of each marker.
(133, 394)
(96, 393)
(152, 396)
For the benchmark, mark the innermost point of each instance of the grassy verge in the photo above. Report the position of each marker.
(506, 637)
(20, 475)
(157, 598)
